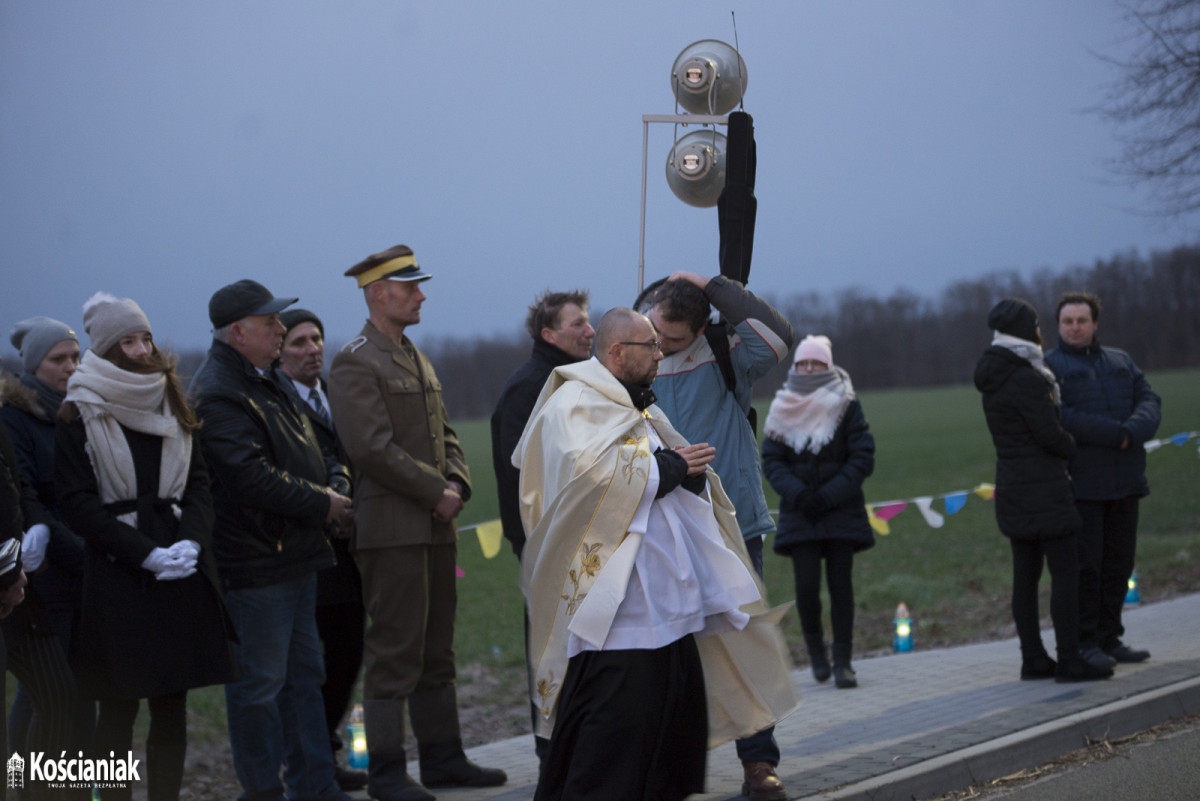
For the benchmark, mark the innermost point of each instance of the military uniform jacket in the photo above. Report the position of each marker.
(387, 407)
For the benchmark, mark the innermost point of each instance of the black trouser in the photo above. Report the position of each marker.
(1061, 556)
(340, 626)
(839, 567)
(166, 743)
(1107, 545)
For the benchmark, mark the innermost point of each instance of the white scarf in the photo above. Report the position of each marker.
(107, 398)
(1032, 353)
(808, 420)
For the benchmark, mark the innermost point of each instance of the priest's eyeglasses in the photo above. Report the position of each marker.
(655, 345)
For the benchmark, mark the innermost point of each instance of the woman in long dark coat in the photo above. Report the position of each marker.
(817, 453)
(1035, 508)
(135, 488)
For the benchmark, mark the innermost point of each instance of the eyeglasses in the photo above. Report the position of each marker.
(655, 345)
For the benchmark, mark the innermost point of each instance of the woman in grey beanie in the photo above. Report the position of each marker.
(46, 715)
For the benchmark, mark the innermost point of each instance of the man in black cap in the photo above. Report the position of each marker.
(272, 490)
(340, 613)
(411, 480)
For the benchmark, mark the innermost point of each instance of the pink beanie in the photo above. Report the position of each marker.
(815, 347)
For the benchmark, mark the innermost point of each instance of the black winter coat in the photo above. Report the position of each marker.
(59, 580)
(836, 474)
(269, 476)
(1033, 489)
(508, 423)
(1105, 398)
(141, 637)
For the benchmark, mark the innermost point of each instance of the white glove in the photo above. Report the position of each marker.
(33, 547)
(173, 573)
(161, 559)
(185, 548)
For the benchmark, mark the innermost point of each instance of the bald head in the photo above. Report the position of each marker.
(627, 344)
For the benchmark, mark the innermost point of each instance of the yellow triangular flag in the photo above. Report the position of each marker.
(880, 526)
(490, 536)
(985, 491)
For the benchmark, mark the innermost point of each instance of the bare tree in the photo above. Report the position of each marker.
(1156, 101)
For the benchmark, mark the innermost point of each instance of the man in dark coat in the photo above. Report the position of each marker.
(341, 616)
(1110, 409)
(558, 324)
(272, 495)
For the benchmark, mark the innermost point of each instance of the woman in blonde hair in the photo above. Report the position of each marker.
(817, 453)
(135, 489)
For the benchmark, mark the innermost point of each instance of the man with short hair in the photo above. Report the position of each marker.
(704, 386)
(640, 592)
(558, 324)
(341, 617)
(411, 481)
(1110, 409)
(272, 496)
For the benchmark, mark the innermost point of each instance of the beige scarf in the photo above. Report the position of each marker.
(107, 398)
(808, 420)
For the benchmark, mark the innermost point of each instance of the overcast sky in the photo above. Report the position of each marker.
(159, 150)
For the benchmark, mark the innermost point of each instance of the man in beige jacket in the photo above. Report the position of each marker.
(411, 481)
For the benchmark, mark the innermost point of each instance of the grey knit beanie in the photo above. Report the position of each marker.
(35, 336)
(107, 319)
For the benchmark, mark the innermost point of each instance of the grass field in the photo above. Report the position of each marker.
(955, 580)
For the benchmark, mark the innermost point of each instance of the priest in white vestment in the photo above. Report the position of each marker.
(649, 635)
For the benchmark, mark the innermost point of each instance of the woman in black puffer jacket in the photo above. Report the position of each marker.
(816, 455)
(1035, 508)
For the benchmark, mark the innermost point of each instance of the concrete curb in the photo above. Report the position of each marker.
(1025, 749)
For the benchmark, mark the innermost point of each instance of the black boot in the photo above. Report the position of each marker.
(843, 674)
(445, 765)
(817, 655)
(389, 780)
(387, 772)
(1036, 664)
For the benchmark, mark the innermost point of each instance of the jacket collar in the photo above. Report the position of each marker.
(228, 356)
(552, 354)
(1087, 350)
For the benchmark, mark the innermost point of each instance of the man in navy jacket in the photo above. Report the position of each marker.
(1110, 409)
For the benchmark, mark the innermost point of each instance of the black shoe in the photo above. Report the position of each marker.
(820, 666)
(349, 780)
(1040, 667)
(1094, 656)
(1126, 655)
(1079, 669)
(844, 678)
(445, 765)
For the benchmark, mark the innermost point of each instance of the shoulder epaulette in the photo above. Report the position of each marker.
(354, 344)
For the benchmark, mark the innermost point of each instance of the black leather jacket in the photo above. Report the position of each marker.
(268, 474)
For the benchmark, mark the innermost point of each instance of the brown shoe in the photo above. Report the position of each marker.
(762, 782)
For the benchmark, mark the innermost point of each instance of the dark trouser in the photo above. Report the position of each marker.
(839, 566)
(759, 747)
(340, 626)
(1107, 545)
(631, 725)
(166, 743)
(1061, 557)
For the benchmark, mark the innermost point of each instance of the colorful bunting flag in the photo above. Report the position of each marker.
(880, 525)
(925, 505)
(955, 501)
(490, 535)
(985, 491)
(1181, 438)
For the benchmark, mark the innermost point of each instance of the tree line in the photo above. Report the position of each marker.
(1151, 308)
